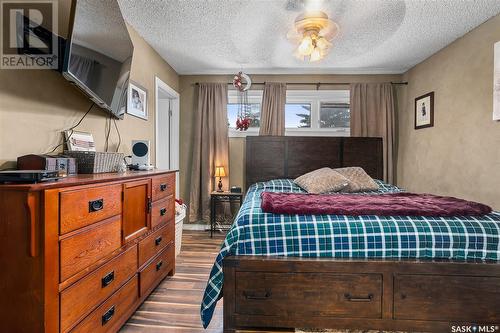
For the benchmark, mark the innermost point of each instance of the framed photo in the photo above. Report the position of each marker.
(137, 101)
(424, 111)
(496, 83)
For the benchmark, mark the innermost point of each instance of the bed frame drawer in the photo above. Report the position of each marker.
(275, 294)
(441, 297)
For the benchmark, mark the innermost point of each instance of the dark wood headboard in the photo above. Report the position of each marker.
(272, 157)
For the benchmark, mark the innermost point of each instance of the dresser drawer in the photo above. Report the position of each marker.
(163, 186)
(80, 208)
(83, 296)
(155, 271)
(108, 316)
(84, 248)
(154, 243)
(163, 210)
(444, 298)
(273, 294)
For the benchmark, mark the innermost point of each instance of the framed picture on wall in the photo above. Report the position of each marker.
(496, 82)
(137, 101)
(424, 111)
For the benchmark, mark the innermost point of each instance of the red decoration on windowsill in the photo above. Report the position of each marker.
(243, 124)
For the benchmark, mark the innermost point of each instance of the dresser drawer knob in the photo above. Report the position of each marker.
(257, 296)
(96, 205)
(163, 187)
(163, 211)
(107, 279)
(351, 298)
(108, 315)
(159, 264)
(158, 240)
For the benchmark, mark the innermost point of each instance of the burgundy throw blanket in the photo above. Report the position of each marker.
(390, 204)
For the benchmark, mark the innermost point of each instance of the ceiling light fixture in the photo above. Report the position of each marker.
(313, 33)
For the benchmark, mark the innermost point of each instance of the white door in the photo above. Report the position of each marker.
(163, 134)
(167, 129)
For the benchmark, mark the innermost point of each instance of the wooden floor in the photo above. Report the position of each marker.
(175, 304)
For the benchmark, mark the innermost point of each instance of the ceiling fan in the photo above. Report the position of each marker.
(313, 32)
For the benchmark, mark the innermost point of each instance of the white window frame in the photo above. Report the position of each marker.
(313, 97)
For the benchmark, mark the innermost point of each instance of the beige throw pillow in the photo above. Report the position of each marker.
(322, 181)
(359, 180)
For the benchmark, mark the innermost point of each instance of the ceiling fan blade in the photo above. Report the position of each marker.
(294, 5)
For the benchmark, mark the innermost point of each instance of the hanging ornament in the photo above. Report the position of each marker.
(242, 83)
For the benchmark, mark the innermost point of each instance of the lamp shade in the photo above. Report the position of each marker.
(220, 172)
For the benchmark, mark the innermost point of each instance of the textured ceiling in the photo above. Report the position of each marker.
(376, 36)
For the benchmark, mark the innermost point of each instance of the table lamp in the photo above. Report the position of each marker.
(220, 172)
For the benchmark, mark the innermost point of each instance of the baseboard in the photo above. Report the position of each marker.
(196, 226)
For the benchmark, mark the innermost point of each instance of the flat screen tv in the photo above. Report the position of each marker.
(98, 54)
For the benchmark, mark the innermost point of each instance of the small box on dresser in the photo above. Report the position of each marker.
(81, 254)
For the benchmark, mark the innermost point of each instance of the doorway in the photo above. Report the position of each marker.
(167, 129)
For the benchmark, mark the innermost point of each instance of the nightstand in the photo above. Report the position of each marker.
(217, 199)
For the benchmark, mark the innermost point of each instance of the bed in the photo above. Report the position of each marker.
(349, 272)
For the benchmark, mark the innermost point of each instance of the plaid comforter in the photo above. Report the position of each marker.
(338, 236)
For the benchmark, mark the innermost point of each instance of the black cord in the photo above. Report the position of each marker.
(108, 131)
(119, 136)
(72, 129)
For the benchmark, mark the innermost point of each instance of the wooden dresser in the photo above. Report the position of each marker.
(81, 254)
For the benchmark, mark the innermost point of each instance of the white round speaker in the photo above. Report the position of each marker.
(140, 152)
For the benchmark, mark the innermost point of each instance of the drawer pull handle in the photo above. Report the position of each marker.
(163, 211)
(257, 296)
(96, 205)
(108, 315)
(351, 298)
(158, 240)
(158, 265)
(107, 279)
(163, 187)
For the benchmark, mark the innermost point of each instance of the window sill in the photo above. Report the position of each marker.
(293, 132)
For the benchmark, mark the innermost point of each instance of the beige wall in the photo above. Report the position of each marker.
(460, 155)
(237, 145)
(36, 105)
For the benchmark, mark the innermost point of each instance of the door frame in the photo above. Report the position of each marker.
(174, 120)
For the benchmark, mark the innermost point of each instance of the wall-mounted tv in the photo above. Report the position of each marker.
(99, 52)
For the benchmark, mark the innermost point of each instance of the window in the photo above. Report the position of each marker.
(307, 112)
(232, 114)
(297, 115)
(334, 115)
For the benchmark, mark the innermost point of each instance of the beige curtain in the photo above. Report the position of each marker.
(373, 115)
(272, 118)
(210, 149)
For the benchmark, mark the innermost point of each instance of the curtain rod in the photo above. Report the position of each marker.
(317, 84)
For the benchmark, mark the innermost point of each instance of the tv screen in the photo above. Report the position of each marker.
(99, 54)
